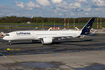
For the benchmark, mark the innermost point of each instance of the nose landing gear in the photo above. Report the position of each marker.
(9, 42)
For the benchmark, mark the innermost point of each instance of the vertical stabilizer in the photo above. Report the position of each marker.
(87, 27)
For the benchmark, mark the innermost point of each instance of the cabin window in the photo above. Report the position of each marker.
(7, 34)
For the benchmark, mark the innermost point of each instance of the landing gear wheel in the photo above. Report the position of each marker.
(9, 42)
(42, 41)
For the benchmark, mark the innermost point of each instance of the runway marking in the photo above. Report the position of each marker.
(75, 40)
(13, 59)
(9, 49)
(17, 49)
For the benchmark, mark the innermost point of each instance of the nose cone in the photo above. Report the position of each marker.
(4, 38)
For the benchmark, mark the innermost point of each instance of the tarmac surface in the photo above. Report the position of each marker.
(72, 54)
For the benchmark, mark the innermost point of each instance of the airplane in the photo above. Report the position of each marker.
(47, 37)
(3, 34)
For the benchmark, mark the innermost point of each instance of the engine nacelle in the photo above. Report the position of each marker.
(47, 40)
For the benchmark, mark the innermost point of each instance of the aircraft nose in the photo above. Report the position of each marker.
(4, 38)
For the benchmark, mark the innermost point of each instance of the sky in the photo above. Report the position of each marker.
(52, 8)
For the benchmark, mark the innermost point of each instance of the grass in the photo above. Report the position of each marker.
(20, 25)
(30, 24)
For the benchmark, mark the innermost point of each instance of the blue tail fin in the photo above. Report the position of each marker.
(87, 27)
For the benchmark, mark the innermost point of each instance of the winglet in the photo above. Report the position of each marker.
(87, 27)
(76, 28)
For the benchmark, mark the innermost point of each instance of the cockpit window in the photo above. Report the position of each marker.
(7, 34)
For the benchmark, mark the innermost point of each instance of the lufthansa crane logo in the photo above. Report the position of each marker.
(88, 26)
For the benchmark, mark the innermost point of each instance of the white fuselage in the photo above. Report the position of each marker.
(36, 35)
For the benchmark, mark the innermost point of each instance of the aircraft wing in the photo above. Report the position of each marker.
(49, 39)
(56, 37)
(62, 37)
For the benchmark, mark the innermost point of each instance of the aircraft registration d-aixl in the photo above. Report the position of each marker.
(47, 37)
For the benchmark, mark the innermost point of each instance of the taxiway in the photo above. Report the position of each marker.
(71, 54)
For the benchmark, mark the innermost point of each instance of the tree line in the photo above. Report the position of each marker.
(14, 19)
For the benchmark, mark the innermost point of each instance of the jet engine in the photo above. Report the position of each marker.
(47, 40)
